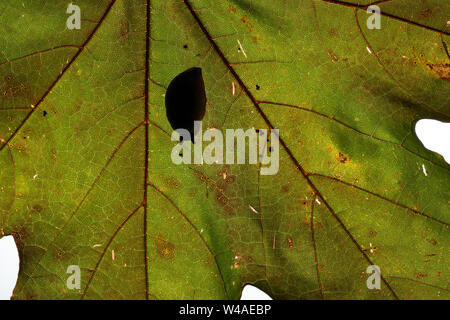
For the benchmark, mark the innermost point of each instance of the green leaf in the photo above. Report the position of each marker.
(86, 173)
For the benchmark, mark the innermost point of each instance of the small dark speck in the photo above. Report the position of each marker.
(185, 46)
(44, 113)
(270, 149)
(258, 87)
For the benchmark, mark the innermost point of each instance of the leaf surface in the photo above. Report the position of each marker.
(87, 178)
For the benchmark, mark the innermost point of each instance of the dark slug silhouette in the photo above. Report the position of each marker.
(186, 100)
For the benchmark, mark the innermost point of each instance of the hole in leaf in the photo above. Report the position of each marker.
(258, 87)
(253, 293)
(435, 136)
(186, 100)
(9, 267)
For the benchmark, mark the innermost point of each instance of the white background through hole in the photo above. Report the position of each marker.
(435, 135)
(9, 266)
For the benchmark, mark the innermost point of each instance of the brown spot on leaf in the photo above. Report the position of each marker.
(21, 148)
(164, 248)
(172, 182)
(19, 239)
(441, 69)
(426, 13)
(11, 87)
(59, 254)
(123, 28)
(334, 58)
(372, 233)
(201, 176)
(231, 9)
(432, 241)
(223, 201)
(28, 296)
(53, 154)
(306, 220)
(342, 158)
(290, 242)
(37, 208)
(247, 23)
(230, 179)
(332, 32)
